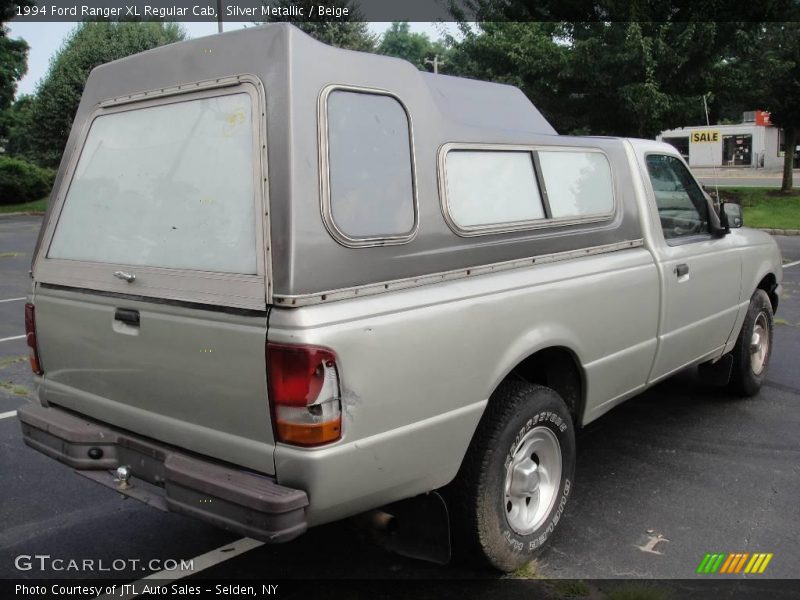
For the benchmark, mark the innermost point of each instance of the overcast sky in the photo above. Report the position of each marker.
(45, 38)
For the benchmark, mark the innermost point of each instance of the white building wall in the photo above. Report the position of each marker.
(771, 158)
(709, 154)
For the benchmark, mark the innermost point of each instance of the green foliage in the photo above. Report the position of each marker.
(8, 8)
(13, 65)
(14, 123)
(37, 207)
(531, 56)
(21, 181)
(13, 61)
(619, 78)
(770, 61)
(57, 97)
(400, 42)
(766, 207)
(638, 591)
(343, 32)
(571, 588)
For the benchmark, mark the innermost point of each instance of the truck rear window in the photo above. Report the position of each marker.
(168, 186)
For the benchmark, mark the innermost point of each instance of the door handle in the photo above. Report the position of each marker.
(681, 270)
(128, 316)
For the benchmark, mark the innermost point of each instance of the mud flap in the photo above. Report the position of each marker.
(417, 528)
(717, 373)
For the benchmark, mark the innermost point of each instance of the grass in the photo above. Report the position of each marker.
(526, 571)
(765, 207)
(638, 591)
(17, 390)
(5, 362)
(35, 206)
(571, 589)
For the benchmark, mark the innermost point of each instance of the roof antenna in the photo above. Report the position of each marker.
(219, 16)
(713, 163)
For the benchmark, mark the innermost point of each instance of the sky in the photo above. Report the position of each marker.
(45, 39)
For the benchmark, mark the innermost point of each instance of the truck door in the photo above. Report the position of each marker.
(700, 274)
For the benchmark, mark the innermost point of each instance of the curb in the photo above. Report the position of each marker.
(781, 231)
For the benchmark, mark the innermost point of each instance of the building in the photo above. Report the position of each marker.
(754, 142)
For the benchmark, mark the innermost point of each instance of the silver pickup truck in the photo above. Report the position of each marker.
(281, 284)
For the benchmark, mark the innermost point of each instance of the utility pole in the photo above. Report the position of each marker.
(435, 62)
(219, 16)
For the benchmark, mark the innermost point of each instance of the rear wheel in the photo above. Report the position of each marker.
(753, 347)
(516, 477)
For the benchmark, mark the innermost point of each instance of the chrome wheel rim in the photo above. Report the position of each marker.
(533, 477)
(759, 344)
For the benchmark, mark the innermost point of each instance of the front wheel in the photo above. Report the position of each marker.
(515, 479)
(753, 347)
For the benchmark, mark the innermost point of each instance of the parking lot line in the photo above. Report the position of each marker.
(13, 337)
(792, 264)
(12, 300)
(199, 563)
(9, 414)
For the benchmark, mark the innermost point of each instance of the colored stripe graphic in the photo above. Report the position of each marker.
(734, 562)
(703, 563)
(741, 562)
(717, 563)
(727, 563)
(766, 562)
(754, 563)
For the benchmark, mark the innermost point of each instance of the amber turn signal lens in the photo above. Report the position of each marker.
(307, 434)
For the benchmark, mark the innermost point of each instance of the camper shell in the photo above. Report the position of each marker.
(301, 258)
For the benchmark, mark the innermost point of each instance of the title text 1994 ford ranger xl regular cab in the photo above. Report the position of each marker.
(305, 283)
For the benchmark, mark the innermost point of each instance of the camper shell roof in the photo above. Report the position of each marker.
(291, 71)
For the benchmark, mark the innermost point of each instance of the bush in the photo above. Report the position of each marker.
(21, 181)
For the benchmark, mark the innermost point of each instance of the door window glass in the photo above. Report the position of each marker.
(682, 206)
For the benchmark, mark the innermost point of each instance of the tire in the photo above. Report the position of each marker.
(525, 427)
(749, 366)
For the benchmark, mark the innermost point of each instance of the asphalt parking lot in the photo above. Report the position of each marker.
(665, 478)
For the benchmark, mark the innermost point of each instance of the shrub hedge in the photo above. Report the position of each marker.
(21, 181)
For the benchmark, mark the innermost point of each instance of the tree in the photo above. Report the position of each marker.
(13, 63)
(59, 93)
(639, 78)
(767, 65)
(348, 32)
(14, 123)
(527, 55)
(399, 41)
(589, 77)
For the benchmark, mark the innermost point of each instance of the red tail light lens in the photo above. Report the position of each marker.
(30, 335)
(303, 384)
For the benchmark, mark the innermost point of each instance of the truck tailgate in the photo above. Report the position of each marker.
(187, 376)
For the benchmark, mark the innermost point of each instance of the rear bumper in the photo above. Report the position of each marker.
(239, 501)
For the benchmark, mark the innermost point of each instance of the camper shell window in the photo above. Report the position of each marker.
(367, 167)
(499, 188)
(166, 186)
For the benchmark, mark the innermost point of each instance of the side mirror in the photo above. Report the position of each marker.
(732, 214)
(717, 223)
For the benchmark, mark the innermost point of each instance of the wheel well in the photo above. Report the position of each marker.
(769, 284)
(559, 369)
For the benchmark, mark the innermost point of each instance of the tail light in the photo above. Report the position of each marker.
(304, 390)
(30, 336)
